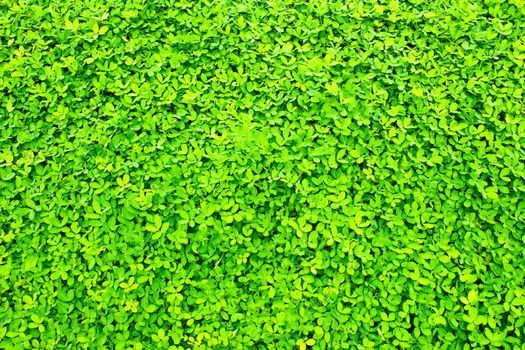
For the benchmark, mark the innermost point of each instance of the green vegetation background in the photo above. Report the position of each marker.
(262, 174)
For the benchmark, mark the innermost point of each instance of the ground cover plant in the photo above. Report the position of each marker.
(262, 174)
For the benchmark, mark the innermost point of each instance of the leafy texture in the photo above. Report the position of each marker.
(262, 174)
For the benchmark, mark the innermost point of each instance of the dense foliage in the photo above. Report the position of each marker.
(262, 174)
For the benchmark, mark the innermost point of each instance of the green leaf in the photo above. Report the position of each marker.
(96, 206)
(262, 174)
(472, 296)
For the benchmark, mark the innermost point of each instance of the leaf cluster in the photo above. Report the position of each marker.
(262, 174)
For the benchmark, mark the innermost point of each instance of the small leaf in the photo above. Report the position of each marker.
(103, 30)
(310, 342)
(151, 228)
(472, 296)
(241, 22)
(96, 206)
(158, 221)
(419, 92)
